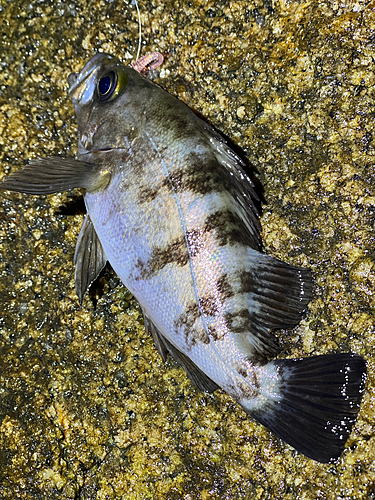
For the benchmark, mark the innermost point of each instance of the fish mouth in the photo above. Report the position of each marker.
(99, 150)
(109, 149)
(72, 78)
(86, 142)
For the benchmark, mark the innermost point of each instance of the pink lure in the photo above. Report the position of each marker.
(148, 62)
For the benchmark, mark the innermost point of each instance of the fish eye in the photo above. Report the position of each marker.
(111, 84)
(107, 85)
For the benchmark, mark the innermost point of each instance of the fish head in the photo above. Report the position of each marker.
(108, 98)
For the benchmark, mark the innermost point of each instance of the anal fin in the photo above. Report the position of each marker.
(195, 374)
(156, 335)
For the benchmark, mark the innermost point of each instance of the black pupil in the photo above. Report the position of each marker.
(105, 85)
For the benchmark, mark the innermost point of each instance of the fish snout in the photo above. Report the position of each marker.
(72, 78)
(85, 144)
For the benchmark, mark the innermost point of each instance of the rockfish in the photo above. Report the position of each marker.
(171, 208)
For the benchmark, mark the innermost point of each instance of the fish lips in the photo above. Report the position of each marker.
(98, 154)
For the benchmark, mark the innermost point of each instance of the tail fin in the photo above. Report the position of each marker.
(320, 398)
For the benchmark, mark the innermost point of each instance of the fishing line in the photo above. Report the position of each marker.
(134, 2)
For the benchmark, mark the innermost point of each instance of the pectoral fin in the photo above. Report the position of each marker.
(53, 175)
(89, 257)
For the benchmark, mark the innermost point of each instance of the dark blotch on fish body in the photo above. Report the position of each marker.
(229, 228)
(174, 253)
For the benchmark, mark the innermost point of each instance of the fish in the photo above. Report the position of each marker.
(172, 209)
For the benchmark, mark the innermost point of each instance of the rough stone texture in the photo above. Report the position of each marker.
(87, 408)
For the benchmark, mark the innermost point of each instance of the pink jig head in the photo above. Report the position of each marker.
(148, 62)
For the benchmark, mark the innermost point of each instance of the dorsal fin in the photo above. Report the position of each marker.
(242, 187)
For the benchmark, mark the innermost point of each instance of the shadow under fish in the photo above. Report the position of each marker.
(171, 208)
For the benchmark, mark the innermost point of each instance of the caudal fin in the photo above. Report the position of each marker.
(320, 398)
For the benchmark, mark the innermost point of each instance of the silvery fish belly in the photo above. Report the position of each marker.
(170, 207)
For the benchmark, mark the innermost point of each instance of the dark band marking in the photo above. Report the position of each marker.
(195, 240)
(214, 333)
(251, 388)
(189, 317)
(248, 282)
(181, 121)
(241, 370)
(242, 390)
(246, 390)
(196, 336)
(238, 322)
(178, 252)
(175, 253)
(147, 194)
(202, 175)
(181, 126)
(224, 287)
(229, 228)
(209, 305)
(186, 321)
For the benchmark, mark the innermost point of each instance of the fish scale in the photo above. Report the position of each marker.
(170, 207)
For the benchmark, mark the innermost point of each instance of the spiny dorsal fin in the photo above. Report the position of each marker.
(242, 187)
